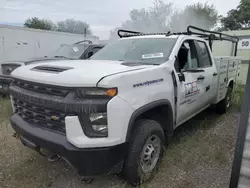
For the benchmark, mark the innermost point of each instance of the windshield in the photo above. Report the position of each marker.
(140, 50)
(73, 51)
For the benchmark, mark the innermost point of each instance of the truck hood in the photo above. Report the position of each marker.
(8, 66)
(33, 60)
(73, 73)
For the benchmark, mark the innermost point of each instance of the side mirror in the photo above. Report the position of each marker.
(181, 77)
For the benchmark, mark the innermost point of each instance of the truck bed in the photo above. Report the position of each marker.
(228, 69)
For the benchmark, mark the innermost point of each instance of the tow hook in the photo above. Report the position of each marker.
(51, 157)
(54, 158)
(87, 180)
(15, 135)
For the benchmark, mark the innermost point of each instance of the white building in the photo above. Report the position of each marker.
(225, 48)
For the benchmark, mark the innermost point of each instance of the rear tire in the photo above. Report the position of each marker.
(145, 152)
(224, 105)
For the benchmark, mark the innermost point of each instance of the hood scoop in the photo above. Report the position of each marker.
(51, 69)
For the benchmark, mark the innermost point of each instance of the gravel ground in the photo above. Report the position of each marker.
(200, 155)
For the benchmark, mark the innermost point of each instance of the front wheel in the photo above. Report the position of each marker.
(145, 152)
(224, 105)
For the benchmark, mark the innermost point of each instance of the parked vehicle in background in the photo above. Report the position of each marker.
(119, 109)
(80, 50)
(20, 43)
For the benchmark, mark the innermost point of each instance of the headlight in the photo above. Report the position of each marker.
(85, 92)
(99, 123)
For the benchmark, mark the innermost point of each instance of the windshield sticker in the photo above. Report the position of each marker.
(151, 56)
(76, 49)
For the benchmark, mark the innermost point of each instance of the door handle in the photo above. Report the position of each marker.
(215, 74)
(201, 77)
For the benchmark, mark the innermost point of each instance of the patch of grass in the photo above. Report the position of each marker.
(195, 144)
(238, 95)
(5, 108)
(220, 156)
(144, 186)
(185, 184)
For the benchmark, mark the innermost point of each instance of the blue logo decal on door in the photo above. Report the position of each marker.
(191, 89)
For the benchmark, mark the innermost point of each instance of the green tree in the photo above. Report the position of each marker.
(198, 14)
(37, 23)
(152, 19)
(74, 26)
(238, 18)
(162, 17)
(244, 13)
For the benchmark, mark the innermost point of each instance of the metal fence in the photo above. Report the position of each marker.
(240, 175)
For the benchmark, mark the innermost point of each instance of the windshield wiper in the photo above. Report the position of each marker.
(138, 63)
(60, 56)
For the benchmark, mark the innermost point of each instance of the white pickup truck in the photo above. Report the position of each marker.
(118, 110)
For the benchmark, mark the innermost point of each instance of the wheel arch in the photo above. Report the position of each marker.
(230, 83)
(160, 110)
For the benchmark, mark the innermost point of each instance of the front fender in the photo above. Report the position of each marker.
(169, 126)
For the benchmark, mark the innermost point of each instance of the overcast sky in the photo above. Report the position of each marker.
(102, 15)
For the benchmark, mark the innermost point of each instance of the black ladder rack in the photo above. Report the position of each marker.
(191, 30)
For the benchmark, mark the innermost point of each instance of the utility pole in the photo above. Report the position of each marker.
(85, 33)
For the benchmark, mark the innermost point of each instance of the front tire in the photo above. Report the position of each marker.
(224, 105)
(145, 152)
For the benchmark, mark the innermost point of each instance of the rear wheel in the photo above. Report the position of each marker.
(224, 105)
(145, 152)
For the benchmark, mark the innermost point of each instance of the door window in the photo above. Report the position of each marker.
(187, 57)
(96, 49)
(204, 57)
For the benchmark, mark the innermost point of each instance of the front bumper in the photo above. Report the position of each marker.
(4, 84)
(88, 162)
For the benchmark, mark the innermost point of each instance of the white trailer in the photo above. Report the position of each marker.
(19, 43)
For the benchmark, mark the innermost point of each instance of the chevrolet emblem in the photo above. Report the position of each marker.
(54, 118)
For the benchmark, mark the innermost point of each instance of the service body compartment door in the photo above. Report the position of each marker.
(232, 69)
(228, 69)
(222, 66)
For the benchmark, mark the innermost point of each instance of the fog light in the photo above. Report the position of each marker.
(100, 128)
(99, 122)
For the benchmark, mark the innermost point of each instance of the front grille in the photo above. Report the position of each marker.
(8, 68)
(39, 116)
(42, 88)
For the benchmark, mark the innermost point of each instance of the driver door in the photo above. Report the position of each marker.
(190, 90)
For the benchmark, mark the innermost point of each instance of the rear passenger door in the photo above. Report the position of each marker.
(210, 72)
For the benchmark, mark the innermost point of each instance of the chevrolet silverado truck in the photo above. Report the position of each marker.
(78, 50)
(117, 111)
